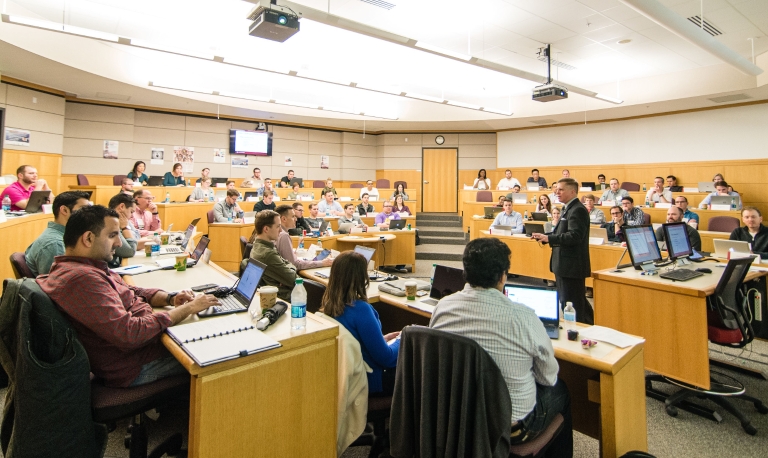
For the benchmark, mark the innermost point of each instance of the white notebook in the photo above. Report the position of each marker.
(214, 340)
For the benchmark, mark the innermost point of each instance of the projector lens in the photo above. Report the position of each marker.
(282, 20)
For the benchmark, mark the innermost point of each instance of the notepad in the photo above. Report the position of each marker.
(220, 339)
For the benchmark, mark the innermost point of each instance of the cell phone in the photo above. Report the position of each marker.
(200, 288)
(322, 255)
(421, 293)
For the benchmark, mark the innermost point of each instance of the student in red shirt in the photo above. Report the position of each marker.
(19, 192)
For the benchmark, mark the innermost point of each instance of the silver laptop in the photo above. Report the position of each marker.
(722, 247)
(721, 200)
(532, 186)
(179, 249)
(220, 195)
(706, 186)
(490, 212)
(518, 197)
(501, 230)
(599, 232)
(542, 300)
(367, 253)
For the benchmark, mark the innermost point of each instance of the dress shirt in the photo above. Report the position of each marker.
(596, 216)
(512, 335)
(145, 221)
(708, 199)
(325, 207)
(204, 194)
(41, 252)
(222, 211)
(507, 183)
(372, 193)
(614, 197)
(16, 192)
(363, 210)
(482, 184)
(634, 217)
(542, 182)
(284, 246)
(653, 196)
(114, 321)
(381, 217)
(515, 220)
(689, 216)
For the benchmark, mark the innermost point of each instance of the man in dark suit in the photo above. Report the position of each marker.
(570, 250)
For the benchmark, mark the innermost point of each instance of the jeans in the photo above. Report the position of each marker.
(550, 400)
(153, 371)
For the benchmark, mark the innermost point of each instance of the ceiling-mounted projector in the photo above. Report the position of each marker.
(274, 23)
(549, 92)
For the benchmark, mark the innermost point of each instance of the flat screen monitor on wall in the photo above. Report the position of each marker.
(256, 143)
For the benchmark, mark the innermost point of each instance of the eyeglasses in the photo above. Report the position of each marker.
(615, 214)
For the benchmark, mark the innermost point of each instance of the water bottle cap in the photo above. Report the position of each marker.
(299, 281)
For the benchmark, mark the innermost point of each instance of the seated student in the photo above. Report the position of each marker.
(230, 184)
(596, 216)
(753, 231)
(535, 178)
(364, 207)
(329, 187)
(203, 175)
(672, 184)
(601, 184)
(285, 182)
(688, 216)
(204, 193)
(615, 233)
(301, 222)
(126, 186)
(346, 301)
(228, 210)
(555, 217)
(718, 177)
(267, 187)
(174, 177)
(145, 217)
(515, 189)
(633, 216)
(543, 204)
(721, 189)
(123, 205)
(373, 193)
(294, 194)
(50, 244)
(566, 173)
(382, 218)
(284, 244)
(675, 215)
(114, 321)
(20, 190)
(509, 217)
(501, 201)
(482, 182)
(279, 272)
(349, 218)
(514, 337)
(253, 181)
(399, 206)
(507, 182)
(615, 193)
(328, 206)
(657, 193)
(137, 173)
(265, 203)
(313, 220)
(399, 191)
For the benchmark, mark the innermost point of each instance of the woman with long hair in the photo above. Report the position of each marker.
(399, 191)
(346, 300)
(482, 181)
(137, 173)
(175, 177)
(400, 206)
(544, 204)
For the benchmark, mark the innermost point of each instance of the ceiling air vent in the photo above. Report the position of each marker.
(544, 121)
(730, 98)
(380, 4)
(708, 27)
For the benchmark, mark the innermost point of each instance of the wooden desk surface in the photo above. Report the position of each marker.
(17, 233)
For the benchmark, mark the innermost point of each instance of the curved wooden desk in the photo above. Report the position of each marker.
(17, 234)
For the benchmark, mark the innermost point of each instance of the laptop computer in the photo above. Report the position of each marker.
(218, 196)
(501, 230)
(367, 253)
(518, 197)
(599, 232)
(215, 181)
(36, 201)
(300, 181)
(721, 200)
(179, 249)
(588, 184)
(199, 250)
(251, 195)
(446, 281)
(242, 292)
(539, 216)
(707, 186)
(321, 230)
(491, 212)
(397, 224)
(541, 300)
(534, 228)
(723, 246)
(532, 186)
(155, 181)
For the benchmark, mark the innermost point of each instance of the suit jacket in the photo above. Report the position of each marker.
(570, 243)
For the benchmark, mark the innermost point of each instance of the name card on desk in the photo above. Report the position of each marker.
(685, 189)
(596, 240)
(2, 217)
(221, 185)
(608, 203)
(662, 205)
(722, 208)
(585, 188)
(48, 208)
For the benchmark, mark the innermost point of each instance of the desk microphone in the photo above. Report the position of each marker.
(271, 315)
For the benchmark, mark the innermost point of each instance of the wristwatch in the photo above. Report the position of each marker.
(170, 297)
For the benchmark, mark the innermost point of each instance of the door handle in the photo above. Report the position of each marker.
(426, 182)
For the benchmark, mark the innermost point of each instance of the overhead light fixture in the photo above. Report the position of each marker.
(428, 98)
(607, 98)
(444, 52)
(169, 49)
(59, 27)
(677, 24)
(376, 88)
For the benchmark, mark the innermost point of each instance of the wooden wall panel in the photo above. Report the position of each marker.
(48, 165)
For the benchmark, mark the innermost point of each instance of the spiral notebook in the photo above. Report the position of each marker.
(214, 340)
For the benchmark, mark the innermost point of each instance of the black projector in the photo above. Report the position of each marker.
(273, 25)
(549, 93)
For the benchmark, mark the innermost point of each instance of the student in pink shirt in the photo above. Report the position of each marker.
(145, 218)
(20, 191)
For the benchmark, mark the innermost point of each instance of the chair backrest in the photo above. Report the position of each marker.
(315, 292)
(356, 185)
(434, 367)
(723, 224)
(484, 196)
(646, 218)
(382, 183)
(82, 180)
(405, 185)
(728, 299)
(117, 180)
(243, 243)
(629, 186)
(318, 184)
(211, 216)
(19, 266)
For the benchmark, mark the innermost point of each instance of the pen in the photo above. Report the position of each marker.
(132, 267)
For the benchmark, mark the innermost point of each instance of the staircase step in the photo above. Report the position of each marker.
(437, 217)
(439, 256)
(438, 223)
(456, 232)
(442, 240)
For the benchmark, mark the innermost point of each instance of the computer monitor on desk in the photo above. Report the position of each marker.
(642, 246)
(678, 242)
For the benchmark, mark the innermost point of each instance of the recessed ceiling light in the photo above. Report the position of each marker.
(624, 41)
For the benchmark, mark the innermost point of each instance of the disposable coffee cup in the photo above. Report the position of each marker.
(268, 296)
(410, 290)
(181, 262)
(148, 248)
(164, 238)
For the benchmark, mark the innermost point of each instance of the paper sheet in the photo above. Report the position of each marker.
(609, 335)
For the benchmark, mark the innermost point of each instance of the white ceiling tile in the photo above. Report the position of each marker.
(551, 35)
(497, 54)
(590, 51)
(530, 26)
(727, 14)
(608, 33)
(571, 43)
(636, 38)
(638, 23)
(620, 13)
(589, 23)
(599, 5)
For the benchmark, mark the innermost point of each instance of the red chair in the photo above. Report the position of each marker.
(382, 183)
(630, 187)
(117, 180)
(19, 266)
(405, 185)
(318, 184)
(356, 185)
(646, 218)
(82, 180)
(484, 196)
(723, 224)
(211, 217)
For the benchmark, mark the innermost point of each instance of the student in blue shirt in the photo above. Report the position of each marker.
(174, 178)
(345, 300)
(721, 189)
(509, 217)
(137, 173)
(688, 216)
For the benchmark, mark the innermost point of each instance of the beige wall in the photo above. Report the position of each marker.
(40, 113)
(403, 151)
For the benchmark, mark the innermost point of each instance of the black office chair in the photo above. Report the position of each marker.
(19, 266)
(728, 325)
(315, 292)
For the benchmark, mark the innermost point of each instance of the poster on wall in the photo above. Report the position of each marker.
(288, 161)
(240, 162)
(218, 155)
(185, 155)
(157, 157)
(325, 162)
(110, 149)
(17, 137)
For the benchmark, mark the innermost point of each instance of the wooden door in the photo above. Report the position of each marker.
(439, 188)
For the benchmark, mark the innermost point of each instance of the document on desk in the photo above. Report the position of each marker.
(611, 336)
(220, 339)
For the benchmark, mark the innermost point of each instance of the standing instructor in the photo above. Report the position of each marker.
(570, 251)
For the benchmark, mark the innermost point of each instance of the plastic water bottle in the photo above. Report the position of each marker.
(644, 187)
(6, 203)
(525, 217)
(301, 244)
(156, 245)
(167, 197)
(299, 306)
(319, 244)
(647, 202)
(189, 182)
(569, 314)
(733, 203)
(432, 275)
(210, 196)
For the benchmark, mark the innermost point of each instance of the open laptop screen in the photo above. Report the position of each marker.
(200, 248)
(187, 236)
(447, 280)
(641, 244)
(249, 281)
(367, 252)
(543, 301)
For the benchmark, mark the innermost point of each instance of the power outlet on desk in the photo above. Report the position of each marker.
(758, 306)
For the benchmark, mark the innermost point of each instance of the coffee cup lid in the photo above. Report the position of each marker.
(268, 289)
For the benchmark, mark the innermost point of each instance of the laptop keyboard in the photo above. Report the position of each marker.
(172, 249)
(230, 303)
(681, 275)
